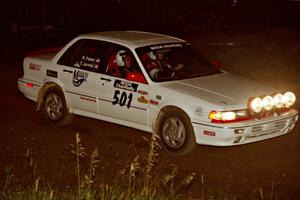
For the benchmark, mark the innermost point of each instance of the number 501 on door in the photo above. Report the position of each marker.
(122, 98)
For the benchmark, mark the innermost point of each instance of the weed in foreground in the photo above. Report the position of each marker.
(137, 180)
(140, 179)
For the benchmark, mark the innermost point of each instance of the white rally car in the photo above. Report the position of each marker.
(170, 89)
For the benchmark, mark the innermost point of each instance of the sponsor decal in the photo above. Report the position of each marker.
(125, 85)
(79, 77)
(142, 92)
(163, 46)
(51, 73)
(89, 63)
(158, 97)
(142, 99)
(153, 102)
(34, 67)
(88, 99)
(122, 98)
(209, 133)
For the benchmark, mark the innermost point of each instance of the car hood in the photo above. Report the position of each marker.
(223, 89)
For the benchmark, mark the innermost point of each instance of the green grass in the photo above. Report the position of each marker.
(139, 180)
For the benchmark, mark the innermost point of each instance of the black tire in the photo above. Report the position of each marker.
(176, 131)
(54, 107)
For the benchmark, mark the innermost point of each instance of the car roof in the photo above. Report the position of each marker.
(133, 38)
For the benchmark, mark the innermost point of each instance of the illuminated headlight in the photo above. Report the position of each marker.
(222, 116)
(268, 103)
(229, 116)
(226, 116)
(256, 105)
(278, 100)
(289, 99)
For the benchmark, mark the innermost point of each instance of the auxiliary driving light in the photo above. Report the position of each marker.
(278, 100)
(289, 99)
(256, 105)
(268, 103)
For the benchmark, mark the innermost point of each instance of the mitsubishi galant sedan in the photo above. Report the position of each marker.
(155, 83)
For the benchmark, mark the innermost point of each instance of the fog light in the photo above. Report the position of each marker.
(239, 131)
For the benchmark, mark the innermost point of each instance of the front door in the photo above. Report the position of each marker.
(123, 99)
(123, 92)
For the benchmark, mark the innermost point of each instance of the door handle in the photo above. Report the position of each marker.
(105, 79)
(69, 71)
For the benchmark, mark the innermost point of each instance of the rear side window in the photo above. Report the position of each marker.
(85, 54)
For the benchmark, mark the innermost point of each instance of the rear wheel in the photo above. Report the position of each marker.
(54, 107)
(176, 131)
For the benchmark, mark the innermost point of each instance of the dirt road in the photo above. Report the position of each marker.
(231, 171)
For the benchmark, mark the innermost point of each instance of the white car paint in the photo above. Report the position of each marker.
(197, 97)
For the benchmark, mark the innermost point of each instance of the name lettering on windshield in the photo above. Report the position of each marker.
(163, 46)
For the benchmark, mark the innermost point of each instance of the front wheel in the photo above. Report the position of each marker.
(176, 131)
(54, 107)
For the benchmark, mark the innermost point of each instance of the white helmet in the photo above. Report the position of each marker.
(119, 58)
(152, 55)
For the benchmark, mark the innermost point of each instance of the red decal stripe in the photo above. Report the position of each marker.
(209, 133)
(154, 102)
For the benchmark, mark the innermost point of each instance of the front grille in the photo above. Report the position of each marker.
(268, 128)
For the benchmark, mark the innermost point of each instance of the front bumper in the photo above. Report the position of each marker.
(245, 132)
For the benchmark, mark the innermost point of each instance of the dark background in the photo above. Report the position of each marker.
(67, 18)
(257, 39)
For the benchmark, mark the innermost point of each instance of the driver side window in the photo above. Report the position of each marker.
(121, 63)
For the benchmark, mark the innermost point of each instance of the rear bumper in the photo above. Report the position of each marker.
(243, 133)
(29, 88)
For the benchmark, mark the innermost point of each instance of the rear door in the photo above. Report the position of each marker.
(79, 72)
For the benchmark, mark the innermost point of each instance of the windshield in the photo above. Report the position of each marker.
(174, 61)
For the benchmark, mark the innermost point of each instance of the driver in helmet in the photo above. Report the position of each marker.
(126, 63)
(161, 65)
(128, 67)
